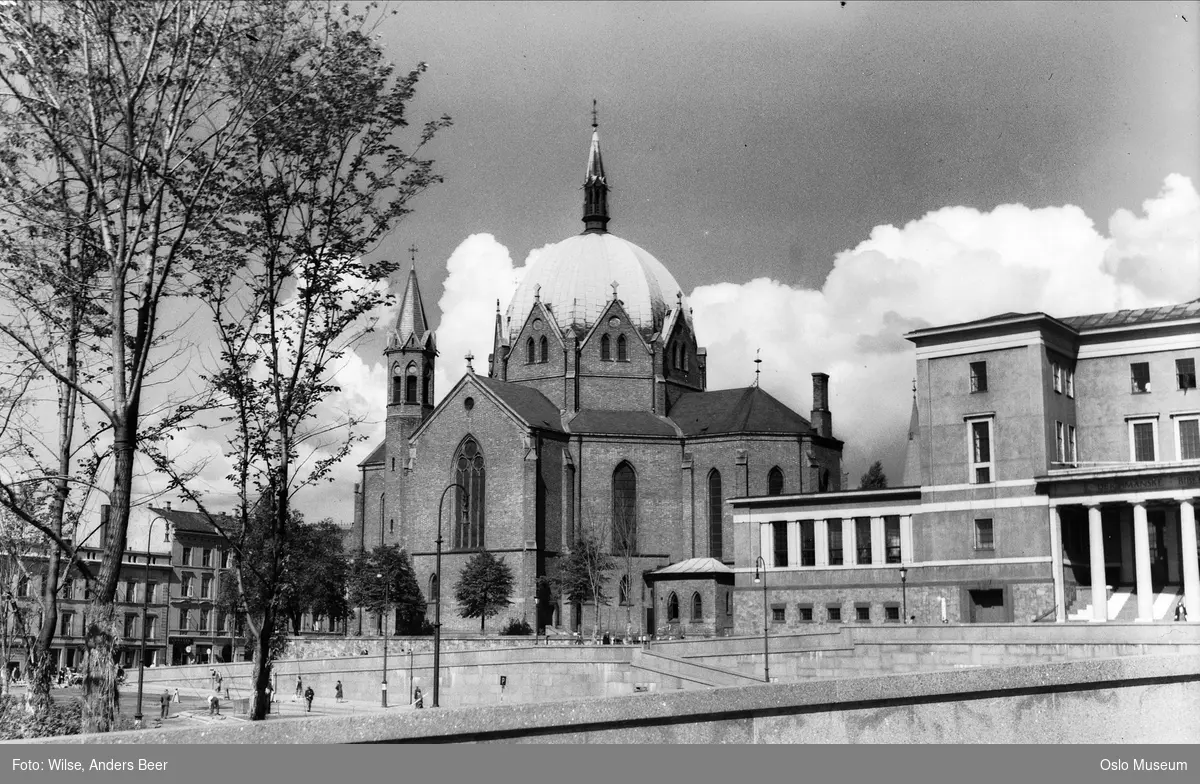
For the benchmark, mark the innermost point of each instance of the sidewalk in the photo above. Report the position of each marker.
(194, 711)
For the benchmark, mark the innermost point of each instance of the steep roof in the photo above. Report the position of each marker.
(747, 410)
(694, 566)
(632, 423)
(528, 403)
(410, 320)
(376, 456)
(191, 521)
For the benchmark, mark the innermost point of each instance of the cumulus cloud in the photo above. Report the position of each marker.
(954, 264)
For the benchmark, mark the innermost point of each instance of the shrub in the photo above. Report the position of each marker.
(516, 627)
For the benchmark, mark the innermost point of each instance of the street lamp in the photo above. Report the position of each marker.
(137, 717)
(904, 591)
(383, 698)
(760, 563)
(437, 605)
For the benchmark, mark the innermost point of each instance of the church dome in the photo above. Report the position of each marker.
(575, 278)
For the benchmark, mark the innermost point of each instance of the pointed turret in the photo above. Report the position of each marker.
(595, 186)
(499, 347)
(912, 456)
(410, 320)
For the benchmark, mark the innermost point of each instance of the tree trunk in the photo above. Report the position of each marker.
(260, 672)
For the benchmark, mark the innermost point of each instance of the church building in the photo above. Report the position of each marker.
(593, 419)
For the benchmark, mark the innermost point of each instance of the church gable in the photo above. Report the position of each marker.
(679, 352)
(614, 346)
(537, 349)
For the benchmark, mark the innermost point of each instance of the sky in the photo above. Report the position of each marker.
(819, 177)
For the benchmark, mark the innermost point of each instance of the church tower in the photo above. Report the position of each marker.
(595, 186)
(410, 354)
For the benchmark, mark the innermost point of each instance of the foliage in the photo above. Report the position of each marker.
(874, 479)
(63, 718)
(383, 578)
(583, 575)
(484, 587)
(516, 627)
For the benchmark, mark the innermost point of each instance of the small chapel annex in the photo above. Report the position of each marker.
(594, 417)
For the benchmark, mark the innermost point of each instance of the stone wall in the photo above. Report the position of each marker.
(1148, 699)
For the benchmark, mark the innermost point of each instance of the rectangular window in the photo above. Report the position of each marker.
(151, 626)
(1143, 439)
(151, 592)
(979, 377)
(1060, 440)
(1188, 435)
(983, 534)
(778, 613)
(862, 613)
(130, 626)
(891, 613)
(981, 451)
(779, 543)
(1070, 382)
(808, 544)
(806, 613)
(224, 559)
(862, 539)
(206, 557)
(185, 585)
(1072, 449)
(891, 537)
(1185, 373)
(205, 587)
(834, 528)
(186, 560)
(131, 591)
(203, 625)
(834, 613)
(68, 589)
(1056, 372)
(65, 622)
(1139, 375)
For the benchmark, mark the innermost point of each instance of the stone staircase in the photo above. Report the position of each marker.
(1122, 605)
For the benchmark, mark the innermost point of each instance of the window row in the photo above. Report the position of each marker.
(1065, 448)
(130, 628)
(208, 557)
(203, 620)
(606, 349)
(678, 356)
(404, 386)
(1143, 438)
(858, 541)
(187, 586)
(807, 613)
(696, 605)
(1139, 375)
(1063, 377)
(537, 353)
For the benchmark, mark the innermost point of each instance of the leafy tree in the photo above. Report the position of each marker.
(484, 588)
(384, 579)
(316, 572)
(874, 479)
(583, 576)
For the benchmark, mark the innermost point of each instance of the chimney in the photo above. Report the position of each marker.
(822, 420)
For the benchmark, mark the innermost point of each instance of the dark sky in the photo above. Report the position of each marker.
(750, 139)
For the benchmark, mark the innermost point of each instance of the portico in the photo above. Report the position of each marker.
(1130, 526)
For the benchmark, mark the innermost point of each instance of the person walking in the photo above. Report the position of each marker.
(176, 694)
(338, 691)
(164, 711)
(308, 698)
(1180, 611)
(299, 688)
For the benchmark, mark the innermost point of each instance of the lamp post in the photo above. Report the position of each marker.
(761, 564)
(437, 604)
(904, 592)
(383, 691)
(137, 717)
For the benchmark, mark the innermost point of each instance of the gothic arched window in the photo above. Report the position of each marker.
(545, 349)
(433, 588)
(624, 509)
(775, 481)
(672, 607)
(697, 607)
(622, 349)
(715, 513)
(397, 385)
(410, 384)
(468, 510)
(529, 356)
(605, 349)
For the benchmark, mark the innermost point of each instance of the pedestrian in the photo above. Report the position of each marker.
(1180, 611)
(176, 694)
(299, 688)
(338, 691)
(214, 704)
(164, 711)
(418, 699)
(308, 698)
(220, 680)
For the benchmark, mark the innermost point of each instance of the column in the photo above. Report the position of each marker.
(877, 548)
(1096, 548)
(1056, 565)
(906, 540)
(849, 546)
(821, 541)
(794, 542)
(1191, 567)
(764, 547)
(1141, 563)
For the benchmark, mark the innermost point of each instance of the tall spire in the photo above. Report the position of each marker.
(912, 455)
(595, 186)
(411, 318)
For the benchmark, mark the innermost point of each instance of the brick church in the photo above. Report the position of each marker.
(594, 417)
